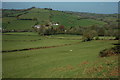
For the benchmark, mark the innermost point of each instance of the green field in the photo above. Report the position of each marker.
(79, 60)
(69, 20)
(69, 49)
(44, 17)
(19, 25)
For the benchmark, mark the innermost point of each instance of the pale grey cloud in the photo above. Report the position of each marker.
(60, 0)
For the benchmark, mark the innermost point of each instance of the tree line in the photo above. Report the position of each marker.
(88, 33)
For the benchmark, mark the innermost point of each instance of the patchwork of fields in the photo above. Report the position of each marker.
(46, 43)
(79, 60)
(24, 20)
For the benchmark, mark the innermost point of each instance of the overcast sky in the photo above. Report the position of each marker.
(59, 0)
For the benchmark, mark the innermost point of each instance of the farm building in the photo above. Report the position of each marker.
(56, 24)
(47, 25)
(37, 26)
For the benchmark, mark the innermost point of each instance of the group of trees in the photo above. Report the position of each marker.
(88, 32)
(44, 30)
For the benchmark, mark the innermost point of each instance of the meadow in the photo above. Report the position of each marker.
(79, 60)
(15, 19)
(69, 49)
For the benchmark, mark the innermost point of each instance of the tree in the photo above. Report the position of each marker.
(101, 31)
(88, 35)
(41, 30)
(117, 35)
(61, 28)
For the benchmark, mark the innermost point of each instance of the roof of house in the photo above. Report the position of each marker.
(37, 26)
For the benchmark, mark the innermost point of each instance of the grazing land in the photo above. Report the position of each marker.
(15, 19)
(63, 45)
(73, 61)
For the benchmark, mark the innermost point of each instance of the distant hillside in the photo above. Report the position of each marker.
(24, 19)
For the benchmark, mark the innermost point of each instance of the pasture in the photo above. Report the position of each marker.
(63, 54)
(19, 25)
(42, 17)
(69, 20)
(78, 60)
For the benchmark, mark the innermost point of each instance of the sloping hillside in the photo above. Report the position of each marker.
(24, 19)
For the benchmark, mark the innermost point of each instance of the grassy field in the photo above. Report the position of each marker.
(73, 61)
(19, 41)
(69, 20)
(19, 25)
(29, 55)
(44, 17)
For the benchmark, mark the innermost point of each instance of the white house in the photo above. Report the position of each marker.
(56, 24)
(37, 26)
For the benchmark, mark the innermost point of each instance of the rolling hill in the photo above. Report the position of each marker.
(24, 19)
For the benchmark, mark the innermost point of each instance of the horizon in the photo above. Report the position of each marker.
(60, 1)
(86, 7)
(59, 10)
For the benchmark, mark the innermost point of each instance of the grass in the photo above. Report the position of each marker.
(44, 17)
(40, 14)
(20, 25)
(90, 22)
(79, 60)
(23, 33)
(60, 62)
(107, 37)
(11, 42)
(69, 20)
(5, 21)
(63, 18)
(66, 36)
(8, 19)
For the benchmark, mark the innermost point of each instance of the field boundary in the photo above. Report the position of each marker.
(44, 47)
(23, 40)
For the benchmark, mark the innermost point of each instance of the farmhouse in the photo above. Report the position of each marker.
(37, 26)
(40, 26)
(56, 24)
(47, 25)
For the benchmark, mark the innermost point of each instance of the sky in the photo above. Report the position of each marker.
(59, 0)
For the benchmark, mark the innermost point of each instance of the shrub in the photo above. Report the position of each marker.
(97, 38)
(116, 49)
(117, 38)
(109, 52)
(89, 35)
(106, 52)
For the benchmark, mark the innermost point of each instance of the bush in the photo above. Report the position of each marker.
(109, 52)
(97, 38)
(106, 52)
(117, 38)
(116, 49)
(89, 35)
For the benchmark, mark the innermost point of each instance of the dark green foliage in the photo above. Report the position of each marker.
(116, 49)
(97, 38)
(89, 35)
(106, 52)
(109, 52)
(117, 38)
(41, 30)
(75, 23)
(45, 30)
